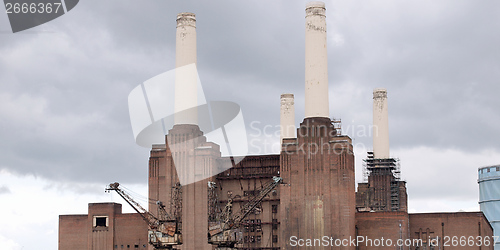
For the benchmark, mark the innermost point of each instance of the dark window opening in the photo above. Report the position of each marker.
(136, 246)
(275, 224)
(250, 193)
(100, 221)
(275, 209)
(275, 238)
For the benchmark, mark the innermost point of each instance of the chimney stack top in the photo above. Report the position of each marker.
(186, 19)
(315, 4)
(315, 8)
(379, 93)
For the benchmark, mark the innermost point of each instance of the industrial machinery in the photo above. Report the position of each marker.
(164, 231)
(225, 232)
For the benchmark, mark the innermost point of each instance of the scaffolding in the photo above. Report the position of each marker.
(381, 167)
(176, 201)
(337, 125)
(214, 208)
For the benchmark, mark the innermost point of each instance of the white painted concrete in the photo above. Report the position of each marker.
(316, 62)
(287, 117)
(186, 91)
(380, 124)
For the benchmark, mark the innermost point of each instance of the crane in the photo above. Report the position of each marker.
(163, 231)
(225, 234)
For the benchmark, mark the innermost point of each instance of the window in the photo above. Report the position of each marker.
(275, 224)
(275, 238)
(498, 169)
(250, 193)
(100, 221)
(257, 210)
(275, 209)
(258, 238)
(136, 246)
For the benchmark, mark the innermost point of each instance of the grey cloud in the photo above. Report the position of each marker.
(438, 61)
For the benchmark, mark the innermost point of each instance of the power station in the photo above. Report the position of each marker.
(304, 197)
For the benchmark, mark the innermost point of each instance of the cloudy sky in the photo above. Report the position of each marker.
(64, 124)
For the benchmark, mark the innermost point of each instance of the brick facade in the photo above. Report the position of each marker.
(103, 228)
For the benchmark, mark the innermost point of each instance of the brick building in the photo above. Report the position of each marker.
(445, 228)
(104, 227)
(317, 196)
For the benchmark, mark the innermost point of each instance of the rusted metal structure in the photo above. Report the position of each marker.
(225, 232)
(164, 231)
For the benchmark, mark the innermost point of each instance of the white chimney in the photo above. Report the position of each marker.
(287, 117)
(316, 64)
(380, 124)
(186, 92)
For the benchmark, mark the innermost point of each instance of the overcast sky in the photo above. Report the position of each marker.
(65, 130)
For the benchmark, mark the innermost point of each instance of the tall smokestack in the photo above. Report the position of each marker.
(287, 117)
(186, 92)
(380, 124)
(316, 61)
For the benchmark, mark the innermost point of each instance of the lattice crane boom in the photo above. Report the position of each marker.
(149, 218)
(226, 233)
(163, 232)
(251, 204)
